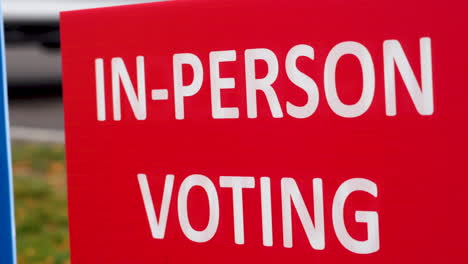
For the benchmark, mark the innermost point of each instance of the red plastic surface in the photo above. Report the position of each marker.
(419, 163)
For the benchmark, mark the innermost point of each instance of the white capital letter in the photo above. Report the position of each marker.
(303, 81)
(422, 96)
(372, 244)
(218, 83)
(137, 102)
(368, 79)
(290, 193)
(267, 226)
(207, 185)
(100, 93)
(237, 184)
(158, 227)
(181, 91)
(253, 84)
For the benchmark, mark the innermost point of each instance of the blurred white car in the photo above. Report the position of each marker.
(32, 35)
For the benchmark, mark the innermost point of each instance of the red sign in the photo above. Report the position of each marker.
(287, 132)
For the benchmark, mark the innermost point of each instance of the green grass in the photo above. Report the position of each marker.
(40, 202)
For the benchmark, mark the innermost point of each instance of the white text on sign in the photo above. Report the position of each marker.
(395, 60)
(291, 198)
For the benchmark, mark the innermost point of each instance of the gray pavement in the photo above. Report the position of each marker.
(37, 112)
(32, 63)
(36, 117)
(35, 102)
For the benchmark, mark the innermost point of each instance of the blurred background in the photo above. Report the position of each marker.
(36, 118)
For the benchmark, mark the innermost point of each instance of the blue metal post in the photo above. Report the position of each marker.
(7, 223)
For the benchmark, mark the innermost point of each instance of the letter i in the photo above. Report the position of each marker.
(100, 96)
(266, 211)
